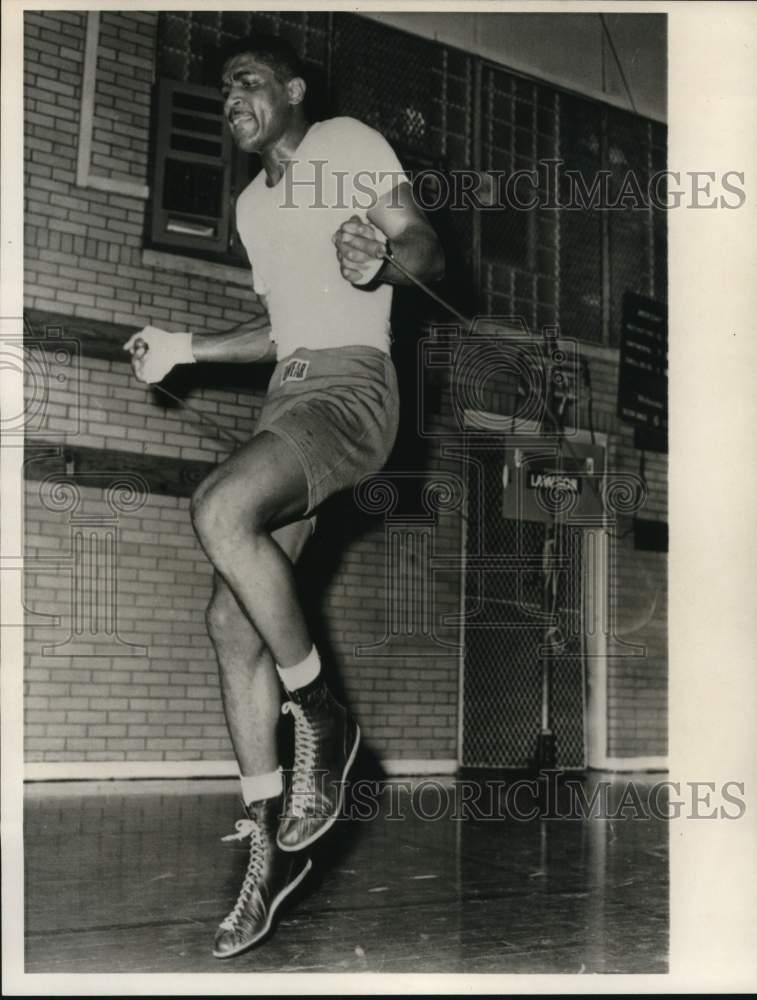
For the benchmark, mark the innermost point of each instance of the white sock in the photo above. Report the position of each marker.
(301, 674)
(261, 786)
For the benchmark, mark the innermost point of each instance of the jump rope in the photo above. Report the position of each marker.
(467, 323)
(388, 257)
(553, 542)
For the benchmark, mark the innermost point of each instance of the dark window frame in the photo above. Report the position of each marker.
(215, 237)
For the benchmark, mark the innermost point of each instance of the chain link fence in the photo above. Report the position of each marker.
(507, 640)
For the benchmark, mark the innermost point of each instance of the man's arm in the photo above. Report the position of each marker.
(241, 346)
(413, 242)
(154, 352)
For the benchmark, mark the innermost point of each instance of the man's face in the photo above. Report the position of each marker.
(256, 104)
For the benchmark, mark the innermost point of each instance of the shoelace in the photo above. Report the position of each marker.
(305, 745)
(246, 828)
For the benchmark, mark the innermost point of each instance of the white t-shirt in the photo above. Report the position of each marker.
(339, 169)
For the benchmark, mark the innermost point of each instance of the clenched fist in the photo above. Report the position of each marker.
(360, 249)
(154, 352)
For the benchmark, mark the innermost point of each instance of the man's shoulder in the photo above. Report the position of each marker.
(345, 126)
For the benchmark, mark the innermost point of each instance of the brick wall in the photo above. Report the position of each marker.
(123, 85)
(106, 703)
(85, 259)
(84, 247)
(103, 702)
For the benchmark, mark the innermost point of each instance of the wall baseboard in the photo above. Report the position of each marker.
(626, 764)
(398, 766)
(106, 770)
(97, 770)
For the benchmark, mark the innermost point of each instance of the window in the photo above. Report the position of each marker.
(198, 174)
(197, 171)
(582, 267)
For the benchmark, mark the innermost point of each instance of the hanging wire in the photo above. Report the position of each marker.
(389, 256)
(618, 63)
(222, 431)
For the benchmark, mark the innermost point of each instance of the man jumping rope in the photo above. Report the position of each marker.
(329, 418)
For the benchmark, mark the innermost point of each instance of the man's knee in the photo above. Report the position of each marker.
(204, 510)
(219, 520)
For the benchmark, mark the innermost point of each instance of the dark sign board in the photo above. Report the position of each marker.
(650, 536)
(643, 374)
(543, 483)
(546, 478)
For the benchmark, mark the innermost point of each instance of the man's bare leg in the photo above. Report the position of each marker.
(251, 698)
(250, 686)
(261, 487)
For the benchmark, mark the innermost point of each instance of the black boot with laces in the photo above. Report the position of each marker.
(271, 875)
(326, 739)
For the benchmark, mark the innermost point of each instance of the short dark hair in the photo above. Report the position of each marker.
(272, 51)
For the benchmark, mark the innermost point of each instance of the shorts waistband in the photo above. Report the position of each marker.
(351, 350)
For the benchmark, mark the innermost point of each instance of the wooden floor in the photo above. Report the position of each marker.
(132, 877)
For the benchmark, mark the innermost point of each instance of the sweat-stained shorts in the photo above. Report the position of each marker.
(338, 410)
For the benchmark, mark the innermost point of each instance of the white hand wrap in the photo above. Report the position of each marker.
(155, 352)
(372, 268)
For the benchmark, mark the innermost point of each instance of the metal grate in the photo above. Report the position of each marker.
(518, 246)
(189, 41)
(504, 632)
(582, 291)
(630, 250)
(568, 685)
(507, 234)
(421, 96)
(416, 93)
